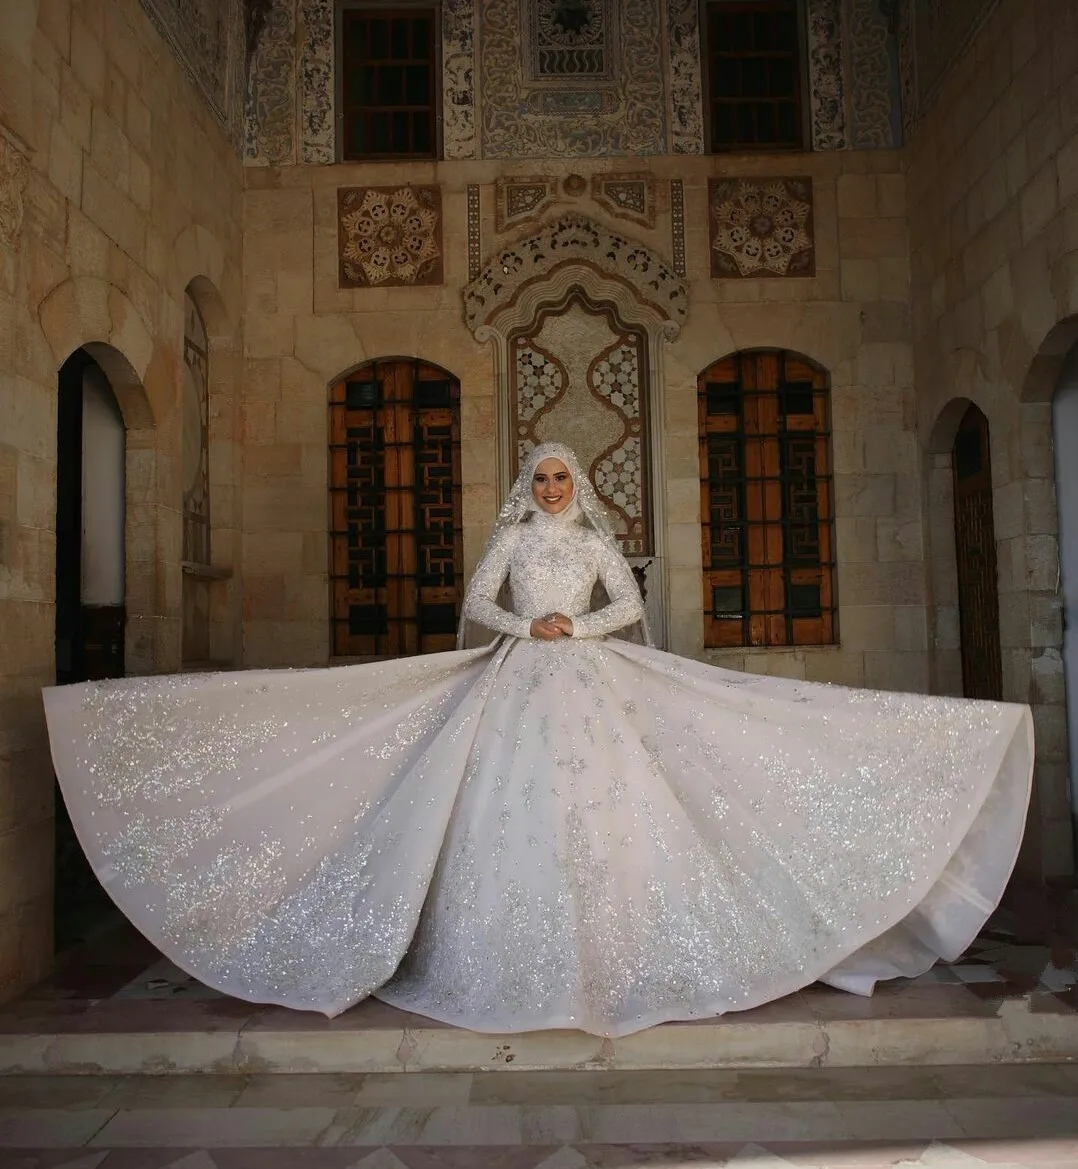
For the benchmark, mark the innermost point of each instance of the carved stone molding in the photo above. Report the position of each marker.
(14, 172)
(761, 227)
(573, 239)
(317, 97)
(389, 236)
(518, 201)
(458, 79)
(475, 230)
(827, 98)
(686, 99)
(677, 225)
(574, 265)
(626, 196)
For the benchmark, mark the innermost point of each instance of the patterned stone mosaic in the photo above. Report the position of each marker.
(578, 377)
(761, 227)
(827, 102)
(318, 138)
(458, 79)
(475, 229)
(584, 79)
(574, 236)
(270, 136)
(871, 68)
(522, 200)
(626, 196)
(677, 225)
(207, 39)
(686, 98)
(389, 236)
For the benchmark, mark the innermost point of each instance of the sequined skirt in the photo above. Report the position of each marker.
(586, 834)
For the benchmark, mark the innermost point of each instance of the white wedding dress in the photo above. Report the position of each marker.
(585, 833)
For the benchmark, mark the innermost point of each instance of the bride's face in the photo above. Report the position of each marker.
(552, 486)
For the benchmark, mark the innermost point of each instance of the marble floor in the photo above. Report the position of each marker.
(1009, 1117)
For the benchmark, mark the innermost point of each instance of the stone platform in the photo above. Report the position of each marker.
(115, 1006)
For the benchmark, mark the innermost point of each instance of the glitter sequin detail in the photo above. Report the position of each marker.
(582, 833)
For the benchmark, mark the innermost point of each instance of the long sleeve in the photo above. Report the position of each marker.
(626, 605)
(480, 601)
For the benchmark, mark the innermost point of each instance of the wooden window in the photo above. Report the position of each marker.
(753, 57)
(766, 498)
(395, 568)
(389, 83)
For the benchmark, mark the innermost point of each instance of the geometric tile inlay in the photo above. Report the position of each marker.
(628, 196)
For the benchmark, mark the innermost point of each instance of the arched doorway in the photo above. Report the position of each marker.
(90, 589)
(396, 549)
(975, 557)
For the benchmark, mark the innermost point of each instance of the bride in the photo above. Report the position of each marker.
(564, 829)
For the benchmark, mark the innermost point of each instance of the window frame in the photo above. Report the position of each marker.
(803, 95)
(765, 565)
(394, 6)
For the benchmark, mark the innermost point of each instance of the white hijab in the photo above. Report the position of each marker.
(586, 508)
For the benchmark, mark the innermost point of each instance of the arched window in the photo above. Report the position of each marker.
(767, 501)
(395, 507)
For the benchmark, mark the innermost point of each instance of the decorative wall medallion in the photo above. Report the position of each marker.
(870, 46)
(520, 200)
(13, 178)
(761, 227)
(686, 103)
(585, 80)
(573, 237)
(389, 236)
(677, 225)
(271, 90)
(475, 242)
(458, 79)
(574, 185)
(826, 89)
(578, 375)
(207, 39)
(317, 128)
(630, 196)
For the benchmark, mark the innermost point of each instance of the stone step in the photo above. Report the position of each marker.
(207, 1036)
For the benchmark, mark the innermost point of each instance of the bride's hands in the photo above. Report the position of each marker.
(551, 627)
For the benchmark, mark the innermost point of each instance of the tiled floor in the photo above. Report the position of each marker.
(864, 1118)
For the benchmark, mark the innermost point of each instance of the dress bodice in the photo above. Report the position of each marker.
(552, 566)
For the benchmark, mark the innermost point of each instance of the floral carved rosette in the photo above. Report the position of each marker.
(389, 236)
(761, 227)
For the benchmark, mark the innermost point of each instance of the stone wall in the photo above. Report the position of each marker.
(993, 190)
(118, 189)
(303, 331)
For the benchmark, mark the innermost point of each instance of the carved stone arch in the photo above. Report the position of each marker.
(573, 264)
(91, 314)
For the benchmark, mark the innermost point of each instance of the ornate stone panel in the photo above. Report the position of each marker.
(14, 173)
(270, 137)
(458, 79)
(626, 196)
(317, 130)
(576, 238)
(827, 103)
(518, 201)
(686, 99)
(207, 39)
(761, 227)
(576, 376)
(389, 236)
(677, 225)
(584, 79)
(872, 72)
(475, 227)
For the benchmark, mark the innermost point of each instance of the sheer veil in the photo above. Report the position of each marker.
(586, 508)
